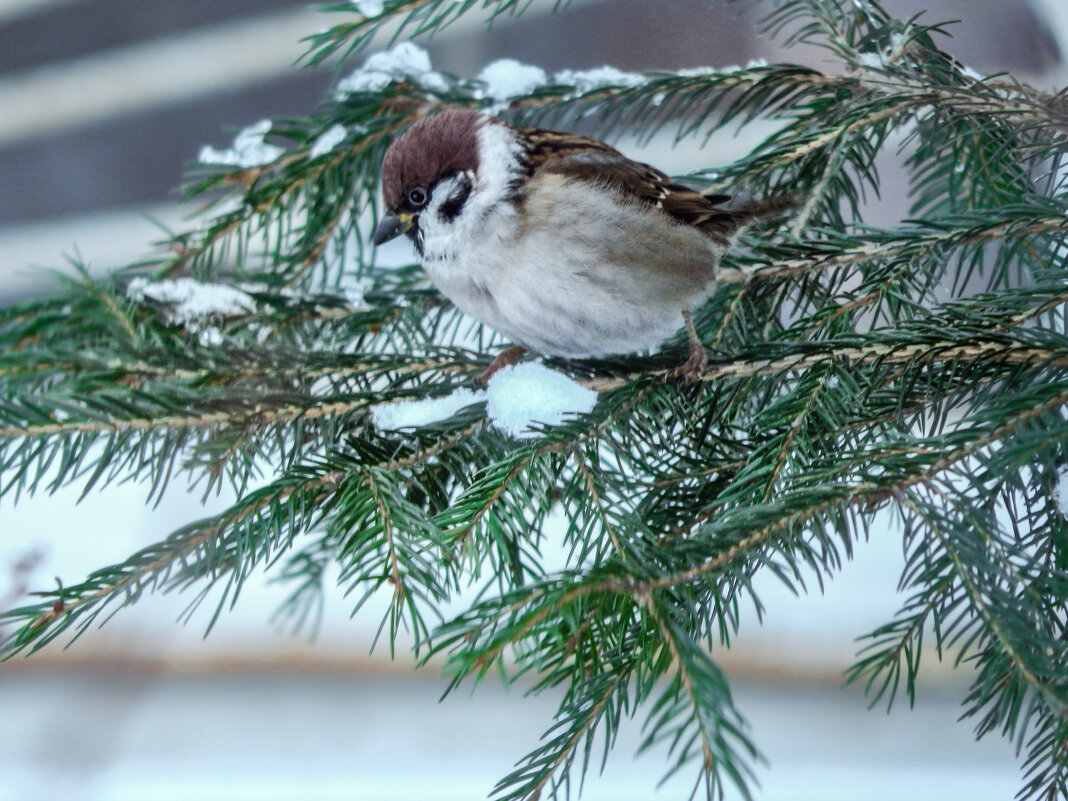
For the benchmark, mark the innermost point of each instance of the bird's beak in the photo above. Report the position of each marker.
(391, 226)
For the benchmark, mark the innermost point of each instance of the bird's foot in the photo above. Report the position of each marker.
(691, 370)
(503, 359)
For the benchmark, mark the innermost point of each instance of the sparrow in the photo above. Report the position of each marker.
(557, 241)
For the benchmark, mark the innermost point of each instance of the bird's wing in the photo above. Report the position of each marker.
(585, 159)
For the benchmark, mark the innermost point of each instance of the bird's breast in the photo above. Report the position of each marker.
(575, 276)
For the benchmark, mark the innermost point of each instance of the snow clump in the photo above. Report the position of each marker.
(405, 61)
(507, 78)
(526, 394)
(191, 302)
(420, 413)
(369, 8)
(600, 78)
(1060, 491)
(518, 398)
(327, 141)
(249, 149)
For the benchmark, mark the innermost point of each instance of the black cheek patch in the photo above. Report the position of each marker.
(452, 207)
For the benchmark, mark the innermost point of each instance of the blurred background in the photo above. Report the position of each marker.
(102, 104)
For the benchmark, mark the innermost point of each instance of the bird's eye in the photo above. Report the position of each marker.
(417, 196)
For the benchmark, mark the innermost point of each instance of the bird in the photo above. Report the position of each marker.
(555, 240)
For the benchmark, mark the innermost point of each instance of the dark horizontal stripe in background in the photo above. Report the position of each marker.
(138, 158)
(70, 30)
(133, 159)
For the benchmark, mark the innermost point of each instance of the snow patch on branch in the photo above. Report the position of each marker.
(881, 59)
(211, 337)
(599, 78)
(191, 302)
(874, 61)
(1060, 491)
(729, 69)
(327, 141)
(369, 8)
(519, 398)
(524, 395)
(507, 78)
(248, 150)
(405, 61)
(420, 413)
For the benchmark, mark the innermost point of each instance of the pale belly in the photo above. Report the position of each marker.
(574, 275)
(567, 298)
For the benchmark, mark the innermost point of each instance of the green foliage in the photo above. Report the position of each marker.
(921, 367)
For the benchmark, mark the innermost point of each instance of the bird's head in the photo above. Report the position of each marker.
(450, 165)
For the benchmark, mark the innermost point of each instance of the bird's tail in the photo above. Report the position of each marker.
(750, 211)
(727, 222)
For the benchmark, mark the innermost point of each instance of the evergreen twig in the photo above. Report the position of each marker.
(921, 366)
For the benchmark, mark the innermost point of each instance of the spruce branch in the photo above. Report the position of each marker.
(725, 748)
(921, 366)
(931, 351)
(164, 566)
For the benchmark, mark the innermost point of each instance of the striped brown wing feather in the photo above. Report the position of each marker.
(585, 159)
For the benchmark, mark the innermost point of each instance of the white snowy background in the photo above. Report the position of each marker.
(146, 708)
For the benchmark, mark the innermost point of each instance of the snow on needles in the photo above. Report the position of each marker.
(525, 394)
(369, 8)
(588, 80)
(499, 81)
(1060, 491)
(507, 78)
(518, 399)
(878, 60)
(191, 301)
(419, 413)
(249, 149)
(405, 61)
(327, 141)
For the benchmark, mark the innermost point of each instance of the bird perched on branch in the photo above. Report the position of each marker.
(557, 241)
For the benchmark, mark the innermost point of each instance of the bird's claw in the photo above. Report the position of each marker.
(503, 359)
(691, 370)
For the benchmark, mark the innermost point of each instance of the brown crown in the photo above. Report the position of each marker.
(433, 147)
